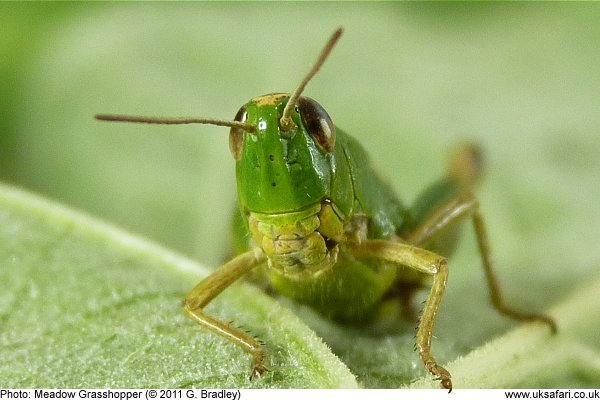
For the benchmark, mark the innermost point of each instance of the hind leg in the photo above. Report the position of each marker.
(439, 222)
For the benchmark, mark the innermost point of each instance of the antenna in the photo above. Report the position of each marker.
(286, 123)
(175, 121)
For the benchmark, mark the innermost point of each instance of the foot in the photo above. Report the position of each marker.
(441, 374)
(258, 365)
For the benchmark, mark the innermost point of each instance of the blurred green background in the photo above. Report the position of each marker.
(407, 80)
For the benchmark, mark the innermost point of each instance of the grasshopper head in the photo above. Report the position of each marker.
(281, 170)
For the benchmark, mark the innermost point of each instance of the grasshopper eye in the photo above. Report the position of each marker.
(236, 135)
(317, 122)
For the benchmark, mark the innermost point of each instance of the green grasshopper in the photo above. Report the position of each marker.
(321, 228)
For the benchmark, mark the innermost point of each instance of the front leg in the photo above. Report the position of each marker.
(211, 287)
(426, 262)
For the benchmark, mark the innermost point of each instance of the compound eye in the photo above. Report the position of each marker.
(317, 122)
(236, 135)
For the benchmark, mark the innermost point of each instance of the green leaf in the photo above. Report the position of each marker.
(83, 304)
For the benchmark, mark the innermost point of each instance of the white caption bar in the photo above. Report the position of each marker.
(296, 394)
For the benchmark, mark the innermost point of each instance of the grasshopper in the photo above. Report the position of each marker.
(326, 231)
